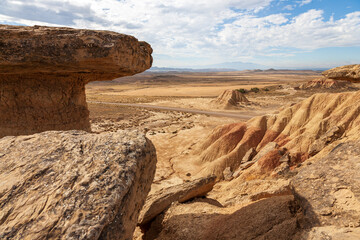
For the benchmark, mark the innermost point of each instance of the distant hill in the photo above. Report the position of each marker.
(220, 67)
(239, 66)
(232, 66)
(165, 69)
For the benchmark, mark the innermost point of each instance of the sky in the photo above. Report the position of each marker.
(185, 33)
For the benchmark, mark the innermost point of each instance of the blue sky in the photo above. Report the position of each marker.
(186, 33)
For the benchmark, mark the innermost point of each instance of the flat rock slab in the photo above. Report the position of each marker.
(98, 55)
(330, 188)
(161, 200)
(74, 185)
(271, 218)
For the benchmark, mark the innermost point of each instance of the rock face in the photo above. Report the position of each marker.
(339, 77)
(43, 72)
(230, 99)
(347, 73)
(325, 83)
(334, 196)
(74, 185)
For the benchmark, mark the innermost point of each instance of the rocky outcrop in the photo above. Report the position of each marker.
(74, 185)
(43, 72)
(271, 218)
(347, 73)
(325, 83)
(340, 77)
(162, 199)
(230, 99)
(300, 131)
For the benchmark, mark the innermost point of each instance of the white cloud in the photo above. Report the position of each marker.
(216, 30)
(306, 31)
(304, 2)
(289, 7)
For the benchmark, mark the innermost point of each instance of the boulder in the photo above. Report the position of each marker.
(347, 73)
(43, 72)
(74, 185)
(162, 199)
(249, 155)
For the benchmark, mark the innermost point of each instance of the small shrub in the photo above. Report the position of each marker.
(266, 90)
(241, 90)
(255, 90)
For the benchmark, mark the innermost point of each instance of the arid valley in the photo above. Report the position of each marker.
(191, 114)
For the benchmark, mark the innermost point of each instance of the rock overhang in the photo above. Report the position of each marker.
(44, 70)
(347, 73)
(96, 55)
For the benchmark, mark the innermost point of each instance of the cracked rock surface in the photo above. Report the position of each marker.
(74, 185)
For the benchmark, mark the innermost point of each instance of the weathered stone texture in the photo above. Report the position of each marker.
(74, 185)
(347, 73)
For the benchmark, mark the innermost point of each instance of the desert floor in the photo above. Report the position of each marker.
(176, 109)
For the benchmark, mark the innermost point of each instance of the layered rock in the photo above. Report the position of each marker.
(325, 83)
(74, 185)
(334, 78)
(230, 99)
(43, 72)
(299, 132)
(346, 73)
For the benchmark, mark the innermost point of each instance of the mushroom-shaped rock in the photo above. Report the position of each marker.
(347, 73)
(43, 72)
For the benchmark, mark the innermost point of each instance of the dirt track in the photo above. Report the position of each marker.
(194, 111)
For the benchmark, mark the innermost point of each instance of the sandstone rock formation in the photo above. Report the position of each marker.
(300, 131)
(161, 200)
(339, 77)
(325, 83)
(43, 72)
(73, 185)
(230, 99)
(271, 218)
(347, 73)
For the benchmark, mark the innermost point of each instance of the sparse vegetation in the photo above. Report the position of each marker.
(255, 90)
(266, 89)
(241, 90)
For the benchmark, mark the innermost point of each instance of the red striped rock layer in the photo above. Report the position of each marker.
(301, 130)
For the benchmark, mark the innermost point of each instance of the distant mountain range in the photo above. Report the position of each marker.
(230, 66)
(165, 69)
(239, 66)
(221, 67)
